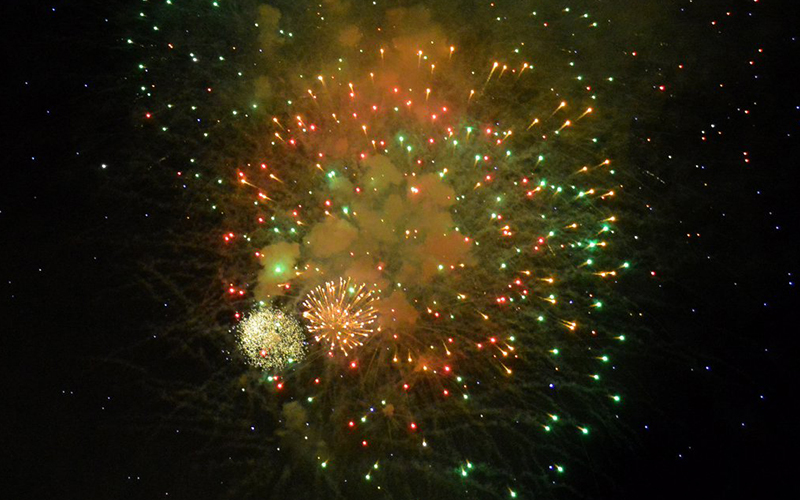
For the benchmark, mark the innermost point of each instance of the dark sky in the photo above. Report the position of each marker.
(714, 424)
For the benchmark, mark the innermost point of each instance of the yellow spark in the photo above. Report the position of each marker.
(588, 110)
(563, 104)
(494, 67)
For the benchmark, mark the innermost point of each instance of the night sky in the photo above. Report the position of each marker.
(165, 183)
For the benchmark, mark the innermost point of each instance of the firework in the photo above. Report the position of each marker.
(479, 208)
(270, 339)
(340, 314)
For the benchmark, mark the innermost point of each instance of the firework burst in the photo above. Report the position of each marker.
(478, 207)
(340, 314)
(270, 339)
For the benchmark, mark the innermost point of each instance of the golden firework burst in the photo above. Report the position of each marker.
(341, 314)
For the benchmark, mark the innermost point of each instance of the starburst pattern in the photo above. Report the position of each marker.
(340, 314)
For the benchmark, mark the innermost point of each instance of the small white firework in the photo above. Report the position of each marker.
(271, 339)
